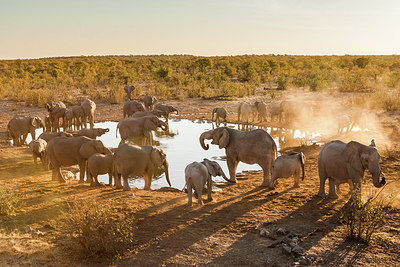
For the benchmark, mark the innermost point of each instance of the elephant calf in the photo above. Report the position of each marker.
(286, 166)
(198, 174)
(92, 133)
(220, 114)
(100, 164)
(38, 148)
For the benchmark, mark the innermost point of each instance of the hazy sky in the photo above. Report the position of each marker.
(47, 28)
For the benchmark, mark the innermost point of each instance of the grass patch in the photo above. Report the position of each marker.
(9, 200)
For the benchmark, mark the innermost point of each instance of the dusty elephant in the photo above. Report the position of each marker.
(131, 160)
(261, 110)
(220, 113)
(166, 109)
(245, 111)
(139, 127)
(276, 112)
(255, 146)
(38, 148)
(66, 151)
(19, 128)
(47, 136)
(88, 112)
(198, 174)
(344, 122)
(128, 90)
(149, 102)
(98, 164)
(339, 161)
(130, 107)
(286, 166)
(56, 111)
(92, 133)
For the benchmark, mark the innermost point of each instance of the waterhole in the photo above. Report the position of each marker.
(181, 144)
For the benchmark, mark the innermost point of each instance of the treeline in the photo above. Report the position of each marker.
(37, 81)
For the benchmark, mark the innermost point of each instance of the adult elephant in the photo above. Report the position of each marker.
(166, 109)
(255, 146)
(340, 161)
(65, 152)
(149, 102)
(78, 115)
(47, 136)
(130, 107)
(19, 128)
(131, 160)
(88, 107)
(56, 111)
(139, 127)
(276, 112)
(245, 111)
(261, 110)
(128, 90)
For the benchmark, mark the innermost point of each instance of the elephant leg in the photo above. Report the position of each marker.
(35, 159)
(91, 121)
(338, 189)
(118, 183)
(82, 168)
(189, 192)
(110, 177)
(23, 139)
(126, 184)
(209, 189)
(232, 165)
(332, 190)
(297, 179)
(96, 180)
(266, 170)
(60, 177)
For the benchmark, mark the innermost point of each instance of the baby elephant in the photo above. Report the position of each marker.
(197, 174)
(100, 164)
(220, 114)
(288, 165)
(38, 148)
(92, 133)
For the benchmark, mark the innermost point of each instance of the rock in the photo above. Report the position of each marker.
(297, 249)
(296, 263)
(37, 233)
(286, 249)
(312, 257)
(274, 244)
(28, 229)
(303, 260)
(281, 231)
(264, 232)
(292, 244)
(267, 223)
(286, 240)
(295, 239)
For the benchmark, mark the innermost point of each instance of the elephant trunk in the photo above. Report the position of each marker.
(176, 111)
(107, 151)
(205, 135)
(375, 179)
(167, 172)
(226, 178)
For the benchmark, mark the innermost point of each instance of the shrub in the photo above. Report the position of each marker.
(97, 230)
(362, 220)
(9, 200)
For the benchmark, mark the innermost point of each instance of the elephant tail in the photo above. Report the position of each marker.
(302, 161)
(116, 130)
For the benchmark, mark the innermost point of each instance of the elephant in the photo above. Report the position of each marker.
(38, 148)
(166, 109)
(88, 112)
(338, 161)
(276, 112)
(132, 160)
(286, 166)
(98, 164)
(128, 90)
(255, 146)
(246, 110)
(47, 123)
(92, 133)
(19, 128)
(157, 113)
(130, 107)
(198, 174)
(47, 136)
(78, 115)
(358, 118)
(149, 102)
(220, 113)
(139, 127)
(261, 110)
(66, 151)
(69, 115)
(344, 122)
(339, 182)
(56, 111)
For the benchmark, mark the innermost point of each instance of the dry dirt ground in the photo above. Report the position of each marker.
(167, 232)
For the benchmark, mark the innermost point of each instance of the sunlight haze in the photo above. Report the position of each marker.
(35, 29)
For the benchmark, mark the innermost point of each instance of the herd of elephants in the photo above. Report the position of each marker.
(337, 161)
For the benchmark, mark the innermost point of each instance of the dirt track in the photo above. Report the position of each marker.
(170, 233)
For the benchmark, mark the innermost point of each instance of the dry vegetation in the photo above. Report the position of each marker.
(84, 225)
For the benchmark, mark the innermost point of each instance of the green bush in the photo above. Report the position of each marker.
(9, 200)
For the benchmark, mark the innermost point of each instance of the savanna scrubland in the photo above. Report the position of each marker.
(156, 227)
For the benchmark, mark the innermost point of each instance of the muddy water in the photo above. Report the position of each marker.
(181, 144)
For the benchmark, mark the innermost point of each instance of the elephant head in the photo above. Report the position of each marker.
(214, 169)
(100, 131)
(152, 122)
(92, 147)
(37, 123)
(213, 112)
(159, 158)
(360, 157)
(219, 136)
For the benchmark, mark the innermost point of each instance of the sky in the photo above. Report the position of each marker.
(52, 28)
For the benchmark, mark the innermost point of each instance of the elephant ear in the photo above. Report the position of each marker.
(157, 156)
(88, 148)
(223, 141)
(149, 124)
(210, 167)
(351, 154)
(35, 122)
